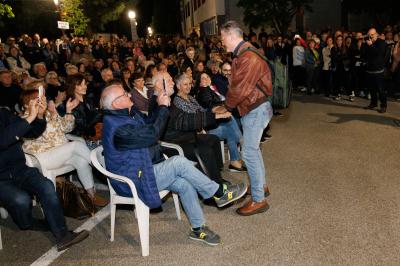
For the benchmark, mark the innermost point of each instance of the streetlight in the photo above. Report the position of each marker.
(132, 19)
(150, 30)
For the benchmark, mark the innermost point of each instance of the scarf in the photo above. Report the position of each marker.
(190, 107)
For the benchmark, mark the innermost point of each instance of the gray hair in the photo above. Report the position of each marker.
(107, 97)
(232, 27)
(180, 78)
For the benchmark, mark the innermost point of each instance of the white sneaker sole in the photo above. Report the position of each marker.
(202, 240)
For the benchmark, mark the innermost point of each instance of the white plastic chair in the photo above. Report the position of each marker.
(141, 210)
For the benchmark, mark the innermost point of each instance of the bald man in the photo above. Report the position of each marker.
(375, 58)
(131, 149)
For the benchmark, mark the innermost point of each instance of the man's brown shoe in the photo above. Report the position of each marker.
(99, 201)
(252, 207)
(266, 191)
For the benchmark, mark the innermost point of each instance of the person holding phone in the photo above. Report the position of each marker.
(18, 181)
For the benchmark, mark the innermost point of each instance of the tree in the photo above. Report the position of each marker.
(277, 13)
(73, 13)
(6, 10)
(102, 12)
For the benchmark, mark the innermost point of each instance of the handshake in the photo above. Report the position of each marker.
(221, 112)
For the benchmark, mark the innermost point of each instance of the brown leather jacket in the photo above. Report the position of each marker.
(248, 70)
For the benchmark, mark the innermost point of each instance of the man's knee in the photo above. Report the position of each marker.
(21, 201)
(179, 161)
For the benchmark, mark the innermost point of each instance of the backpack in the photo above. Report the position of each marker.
(270, 64)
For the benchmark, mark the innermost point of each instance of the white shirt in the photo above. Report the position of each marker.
(298, 55)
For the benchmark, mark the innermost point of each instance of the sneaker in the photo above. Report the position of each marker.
(235, 169)
(362, 94)
(303, 89)
(338, 98)
(70, 239)
(231, 194)
(205, 235)
(369, 96)
(351, 98)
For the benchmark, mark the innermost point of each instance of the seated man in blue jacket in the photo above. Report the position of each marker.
(18, 181)
(131, 149)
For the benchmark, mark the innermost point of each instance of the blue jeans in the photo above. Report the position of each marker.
(231, 132)
(16, 196)
(253, 125)
(179, 175)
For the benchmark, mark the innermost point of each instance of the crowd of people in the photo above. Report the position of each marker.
(127, 95)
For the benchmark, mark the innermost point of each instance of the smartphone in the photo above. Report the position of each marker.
(40, 92)
(164, 86)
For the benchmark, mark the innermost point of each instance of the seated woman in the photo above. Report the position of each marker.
(54, 90)
(185, 128)
(53, 146)
(87, 118)
(210, 98)
(17, 62)
(140, 94)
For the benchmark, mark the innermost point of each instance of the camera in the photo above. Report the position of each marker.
(367, 38)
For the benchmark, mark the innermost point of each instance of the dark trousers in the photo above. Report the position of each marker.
(16, 196)
(376, 86)
(208, 149)
(298, 76)
(327, 80)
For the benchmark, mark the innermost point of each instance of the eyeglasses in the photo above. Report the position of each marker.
(125, 94)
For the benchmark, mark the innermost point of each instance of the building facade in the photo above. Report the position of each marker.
(205, 16)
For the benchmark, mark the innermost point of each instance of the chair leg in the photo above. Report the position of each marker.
(143, 224)
(177, 206)
(112, 217)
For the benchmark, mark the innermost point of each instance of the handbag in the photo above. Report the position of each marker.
(75, 201)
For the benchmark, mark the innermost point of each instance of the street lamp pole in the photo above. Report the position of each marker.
(132, 19)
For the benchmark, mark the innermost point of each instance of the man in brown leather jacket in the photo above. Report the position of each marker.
(249, 91)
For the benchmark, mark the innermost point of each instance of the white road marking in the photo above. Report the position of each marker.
(53, 254)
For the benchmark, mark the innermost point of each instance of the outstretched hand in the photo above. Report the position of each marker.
(223, 115)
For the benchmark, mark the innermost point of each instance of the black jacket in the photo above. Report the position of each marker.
(375, 56)
(182, 127)
(12, 130)
(86, 117)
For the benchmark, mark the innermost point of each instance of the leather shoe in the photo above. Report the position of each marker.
(266, 191)
(71, 238)
(99, 201)
(370, 107)
(252, 207)
(382, 110)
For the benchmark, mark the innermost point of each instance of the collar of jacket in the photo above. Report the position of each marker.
(120, 112)
(235, 52)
